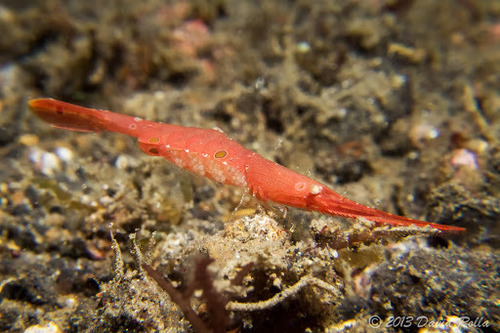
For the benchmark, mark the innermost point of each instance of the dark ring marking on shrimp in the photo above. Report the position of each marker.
(193, 149)
(220, 154)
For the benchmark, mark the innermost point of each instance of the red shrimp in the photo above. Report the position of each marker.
(212, 154)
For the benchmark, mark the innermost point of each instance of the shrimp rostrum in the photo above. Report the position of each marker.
(212, 154)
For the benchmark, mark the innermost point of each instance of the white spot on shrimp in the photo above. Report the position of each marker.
(215, 172)
(219, 176)
(186, 150)
(167, 146)
(196, 165)
(137, 119)
(179, 162)
(300, 186)
(315, 189)
(238, 179)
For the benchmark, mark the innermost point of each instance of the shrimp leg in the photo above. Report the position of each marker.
(212, 154)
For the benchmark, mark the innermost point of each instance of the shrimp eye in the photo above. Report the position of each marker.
(154, 140)
(220, 154)
(153, 151)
